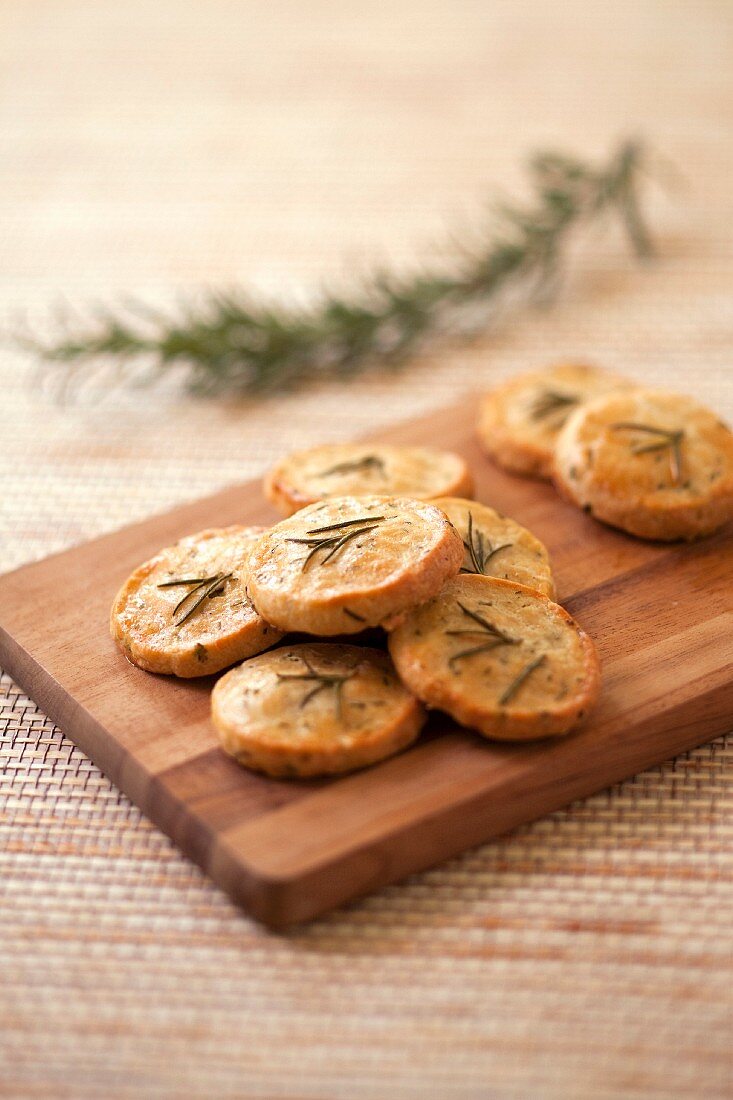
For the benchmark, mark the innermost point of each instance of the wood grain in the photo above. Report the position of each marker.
(662, 617)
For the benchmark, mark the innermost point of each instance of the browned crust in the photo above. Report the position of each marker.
(285, 497)
(514, 456)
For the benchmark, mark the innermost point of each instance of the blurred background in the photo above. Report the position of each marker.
(155, 148)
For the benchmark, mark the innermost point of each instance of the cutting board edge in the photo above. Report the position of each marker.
(171, 814)
(284, 902)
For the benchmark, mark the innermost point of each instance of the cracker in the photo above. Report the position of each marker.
(356, 469)
(498, 657)
(519, 420)
(314, 709)
(656, 464)
(496, 546)
(343, 565)
(185, 612)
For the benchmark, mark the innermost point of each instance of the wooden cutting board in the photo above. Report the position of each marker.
(662, 618)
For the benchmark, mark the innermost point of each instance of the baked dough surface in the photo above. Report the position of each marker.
(314, 709)
(356, 469)
(519, 420)
(340, 566)
(496, 546)
(659, 465)
(499, 658)
(154, 619)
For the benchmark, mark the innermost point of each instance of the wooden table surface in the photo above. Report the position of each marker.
(154, 148)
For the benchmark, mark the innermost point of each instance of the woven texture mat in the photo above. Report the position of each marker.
(157, 147)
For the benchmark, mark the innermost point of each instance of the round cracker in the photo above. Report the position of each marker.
(314, 709)
(498, 657)
(192, 629)
(658, 465)
(359, 469)
(340, 566)
(496, 546)
(519, 420)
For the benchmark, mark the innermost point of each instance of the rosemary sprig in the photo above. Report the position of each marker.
(203, 588)
(517, 682)
(368, 462)
(322, 539)
(665, 438)
(347, 538)
(480, 553)
(323, 681)
(493, 635)
(549, 402)
(231, 341)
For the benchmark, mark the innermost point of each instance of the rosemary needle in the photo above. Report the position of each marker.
(343, 534)
(483, 648)
(215, 588)
(345, 523)
(552, 401)
(182, 580)
(310, 541)
(369, 462)
(515, 685)
(203, 588)
(477, 551)
(666, 438)
(495, 637)
(347, 538)
(485, 623)
(495, 550)
(321, 544)
(323, 681)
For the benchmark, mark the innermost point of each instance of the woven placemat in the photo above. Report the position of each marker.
(160, 147)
